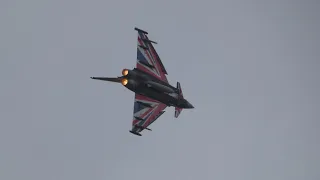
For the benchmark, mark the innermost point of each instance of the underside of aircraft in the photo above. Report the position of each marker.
(153, 93)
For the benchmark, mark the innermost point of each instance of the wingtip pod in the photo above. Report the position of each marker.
(140, 30)
(145, 39)
(135, 133)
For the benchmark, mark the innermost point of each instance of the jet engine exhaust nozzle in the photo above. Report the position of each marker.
(125, 72)
(124, 81)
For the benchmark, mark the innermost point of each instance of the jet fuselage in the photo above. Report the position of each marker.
(149, 86)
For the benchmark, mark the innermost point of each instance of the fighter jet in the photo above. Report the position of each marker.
(148, 81)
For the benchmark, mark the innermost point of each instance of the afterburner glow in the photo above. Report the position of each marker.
(125, 72)
(124, 81)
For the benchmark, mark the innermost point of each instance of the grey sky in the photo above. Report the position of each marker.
(250, 68)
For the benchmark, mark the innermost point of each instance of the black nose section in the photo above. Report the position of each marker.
(189, 105)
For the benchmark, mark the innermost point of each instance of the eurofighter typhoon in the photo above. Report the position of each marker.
(148, 81)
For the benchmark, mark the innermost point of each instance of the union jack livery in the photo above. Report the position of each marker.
(148, 81)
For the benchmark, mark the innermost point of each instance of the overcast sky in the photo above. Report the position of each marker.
(250, 68)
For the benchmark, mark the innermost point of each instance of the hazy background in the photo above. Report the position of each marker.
(250, 68)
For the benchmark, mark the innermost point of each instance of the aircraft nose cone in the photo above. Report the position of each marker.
(186, 104)
(189, 105)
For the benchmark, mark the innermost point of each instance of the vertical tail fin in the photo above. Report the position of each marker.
(177, 110)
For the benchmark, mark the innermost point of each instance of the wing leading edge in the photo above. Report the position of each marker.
(145, 112)
(148, 59)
